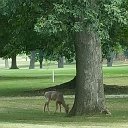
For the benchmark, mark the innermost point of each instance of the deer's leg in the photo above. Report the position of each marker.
(56, 107)
(46, 104)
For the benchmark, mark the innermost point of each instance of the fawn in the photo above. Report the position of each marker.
(58, 98)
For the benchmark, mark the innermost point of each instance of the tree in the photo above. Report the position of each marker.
(117, 30)
(84, 25)
(4, 34)
(41, 56)
(6, 63)
(13, 63)
(126, 53)
(89, 96)
(60, 62)
(110, 58)
(20, 17)
(18, 20)
(32, 60)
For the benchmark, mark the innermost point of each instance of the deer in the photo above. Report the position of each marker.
(58, 98)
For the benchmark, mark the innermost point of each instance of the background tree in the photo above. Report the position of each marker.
(21, 17)
(60, 62)
(41, 57)
(117, 27)
(32, 60)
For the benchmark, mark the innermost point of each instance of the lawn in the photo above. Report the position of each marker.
(117, 75)
(18, 110)
(29, 110)
(16, 82)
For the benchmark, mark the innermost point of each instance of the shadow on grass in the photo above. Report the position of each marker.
(115, 89)
(24, 77)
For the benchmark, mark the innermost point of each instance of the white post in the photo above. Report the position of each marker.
(53, 76)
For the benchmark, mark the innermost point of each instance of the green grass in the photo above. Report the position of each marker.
(116, 71)
(117, 75)
(16, 82)
(30, 110)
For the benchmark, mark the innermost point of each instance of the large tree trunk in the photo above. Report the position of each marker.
(14, 64)
(32, 60)
(61, 62)
(89, 97)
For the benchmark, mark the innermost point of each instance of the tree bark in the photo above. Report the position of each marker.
(14, 64)
(61, 62)
(89, 97)
(32, 60)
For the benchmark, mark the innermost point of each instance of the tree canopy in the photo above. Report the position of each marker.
(110, 21)
(21, 17)
(56, 22)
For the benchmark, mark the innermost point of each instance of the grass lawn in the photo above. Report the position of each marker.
(16, 82)
(27, 112)
(117, 75)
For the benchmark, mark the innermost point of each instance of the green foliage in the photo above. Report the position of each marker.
(65, 14)
(114, 18)
(21, 16)
(116, 12)
(57, 22)
(108, 18)
(52, 25)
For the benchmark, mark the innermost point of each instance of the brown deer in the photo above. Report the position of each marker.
(58, 98)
